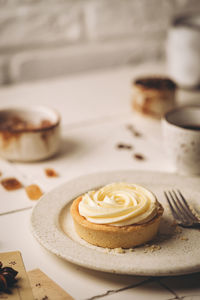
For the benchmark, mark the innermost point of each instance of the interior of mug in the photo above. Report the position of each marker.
(188, 116)
(191, 20)
(32, 118)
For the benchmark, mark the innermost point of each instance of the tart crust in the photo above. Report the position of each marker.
(109, 236)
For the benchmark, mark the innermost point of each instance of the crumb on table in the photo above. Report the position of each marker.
(33, 191)
(50, 172)
(11, 184)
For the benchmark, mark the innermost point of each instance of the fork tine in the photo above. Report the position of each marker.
(194, 218)
(184, 209)
(181, 210)
(172, 208)
(179, 213)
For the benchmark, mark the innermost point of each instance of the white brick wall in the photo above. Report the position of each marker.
(107, 19)
(39, 64)
(46, 38)
(39, 25)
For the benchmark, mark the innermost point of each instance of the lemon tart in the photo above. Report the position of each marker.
(118, 215)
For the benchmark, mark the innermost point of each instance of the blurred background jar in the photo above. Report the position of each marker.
(183, 50)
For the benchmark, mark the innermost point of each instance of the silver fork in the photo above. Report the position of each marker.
(181, 210)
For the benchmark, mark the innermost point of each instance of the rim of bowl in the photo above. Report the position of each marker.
(32, 108)
(176, 109)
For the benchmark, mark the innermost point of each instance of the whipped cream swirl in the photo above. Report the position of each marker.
(119, 204)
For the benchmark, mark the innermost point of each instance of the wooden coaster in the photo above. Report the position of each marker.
(44, 288)
(22, 289)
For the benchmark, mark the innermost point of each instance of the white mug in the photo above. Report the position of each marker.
(183, 50)
(181, 132)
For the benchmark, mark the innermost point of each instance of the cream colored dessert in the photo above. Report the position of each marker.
(117, 215)
(153, 96)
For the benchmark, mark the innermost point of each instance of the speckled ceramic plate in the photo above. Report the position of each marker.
(175, 251)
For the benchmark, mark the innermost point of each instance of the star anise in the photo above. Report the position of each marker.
(7, 277)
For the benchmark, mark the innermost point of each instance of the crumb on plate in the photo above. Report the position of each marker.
(119, 250)
(183, 238)
(152, 248)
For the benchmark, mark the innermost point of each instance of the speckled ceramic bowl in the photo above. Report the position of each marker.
(29, 133)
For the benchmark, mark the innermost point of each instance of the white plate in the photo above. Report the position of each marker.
(179, 252)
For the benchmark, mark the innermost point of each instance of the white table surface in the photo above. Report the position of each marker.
(95, 110)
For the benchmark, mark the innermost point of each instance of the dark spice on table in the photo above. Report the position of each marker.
(138, 156)
(135, 132)
(124, 146)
